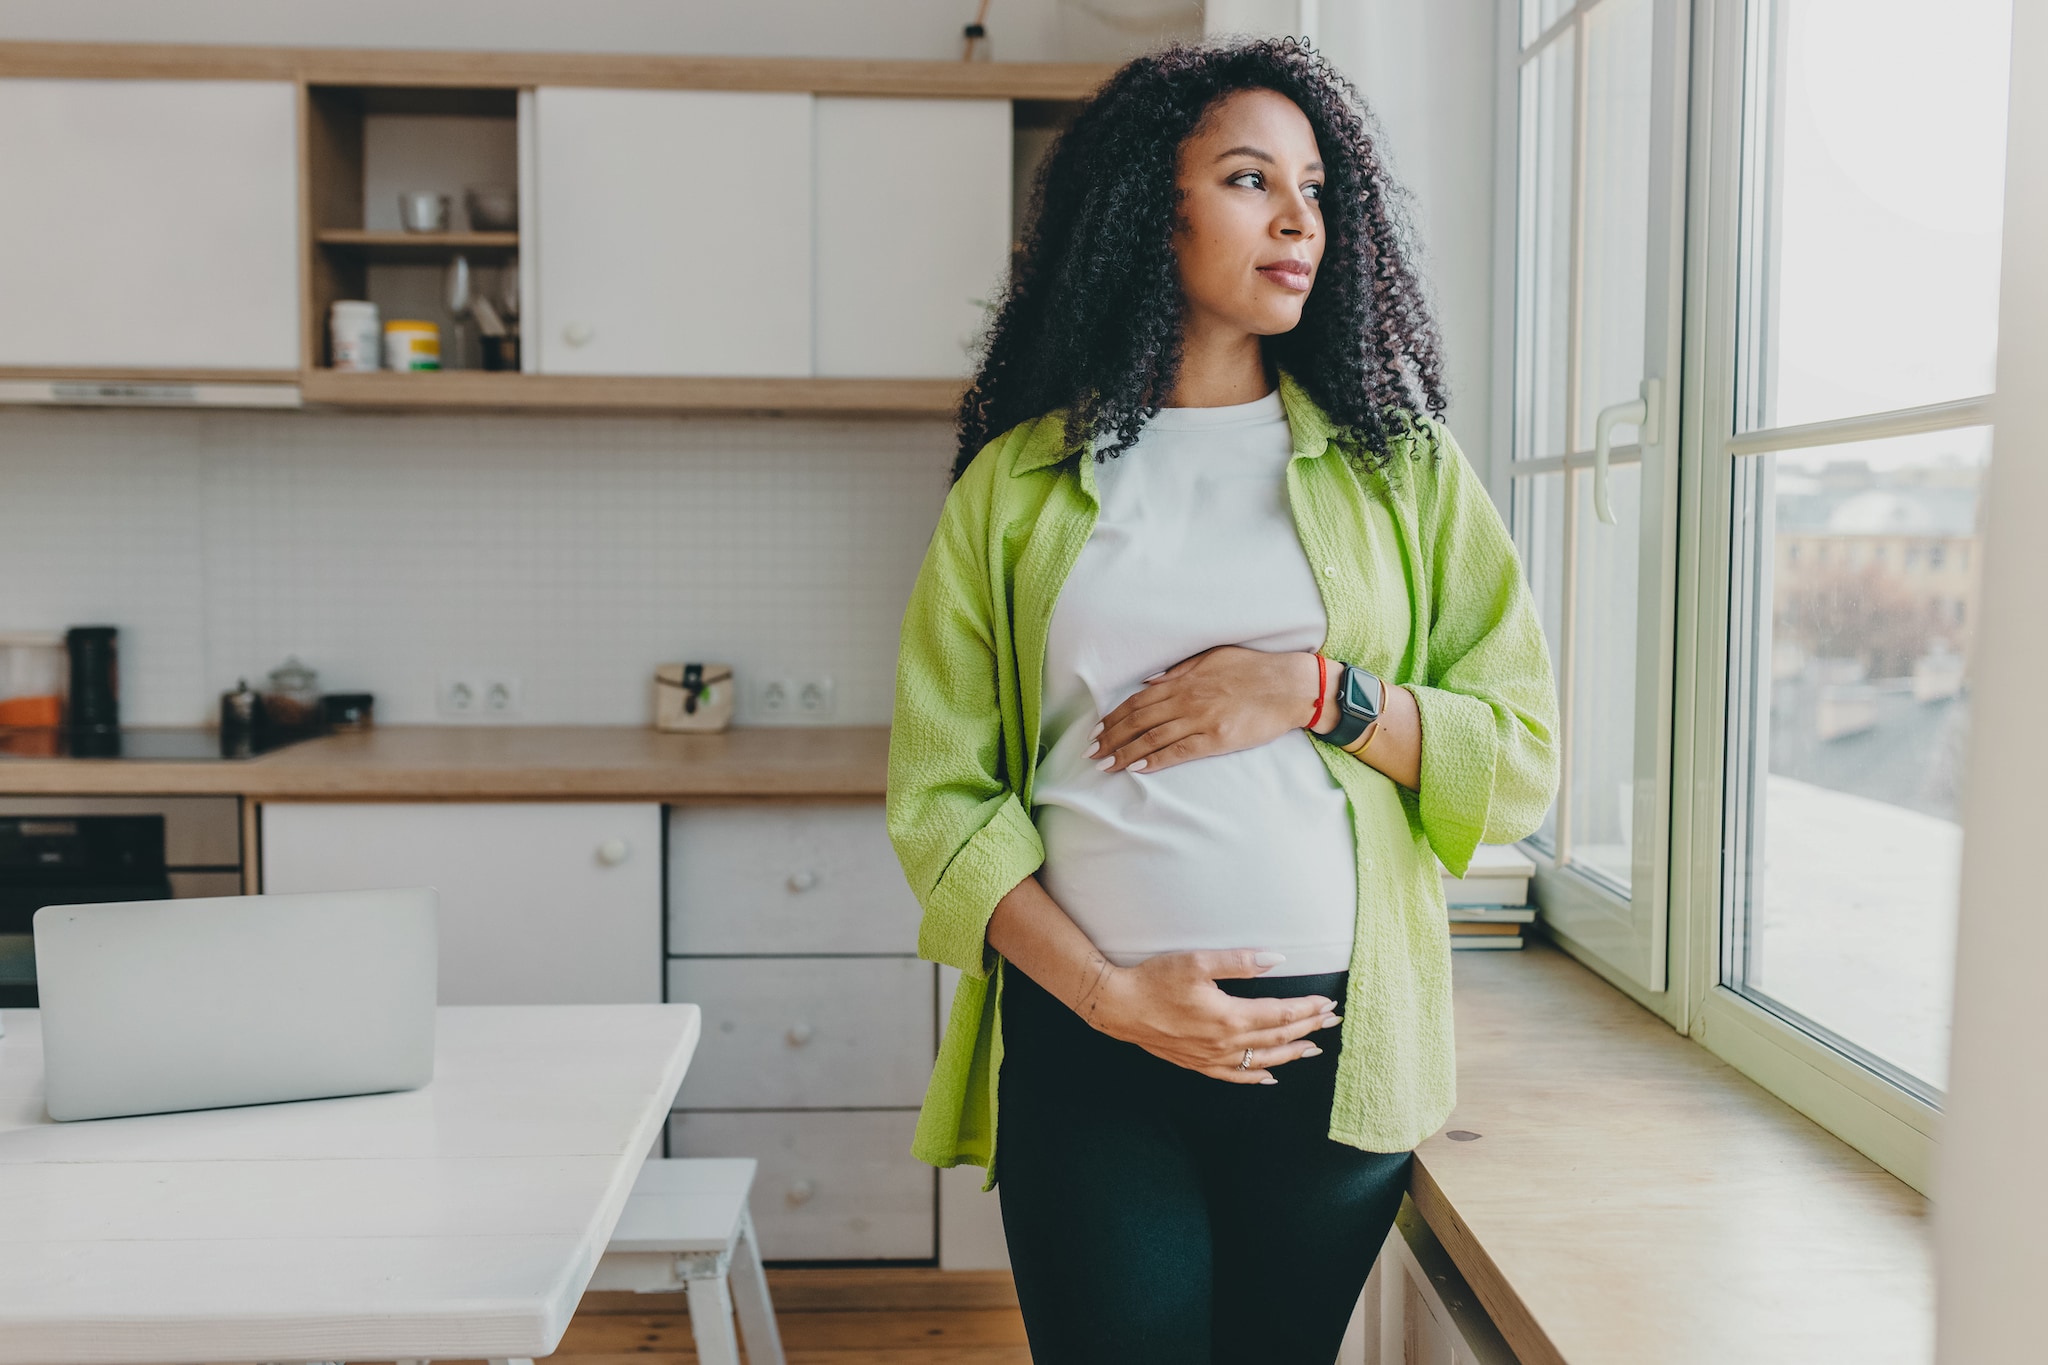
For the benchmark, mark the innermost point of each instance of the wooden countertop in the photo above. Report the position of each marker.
(1632, 1198)
(502, 762)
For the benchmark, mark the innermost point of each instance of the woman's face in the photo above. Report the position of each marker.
(1250, 235)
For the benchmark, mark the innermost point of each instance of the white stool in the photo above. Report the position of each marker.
(686, 1226)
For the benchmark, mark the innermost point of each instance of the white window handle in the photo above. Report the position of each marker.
(1644, 414)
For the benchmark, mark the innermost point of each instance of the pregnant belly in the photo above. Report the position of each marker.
(1245, 850)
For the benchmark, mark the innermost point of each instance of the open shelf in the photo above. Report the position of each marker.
(494, 390)
(379, 247)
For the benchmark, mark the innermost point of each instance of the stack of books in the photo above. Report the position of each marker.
(1490, 903)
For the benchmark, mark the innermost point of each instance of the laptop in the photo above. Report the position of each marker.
(153, 1006)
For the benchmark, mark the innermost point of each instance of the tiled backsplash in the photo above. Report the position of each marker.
(392, 552)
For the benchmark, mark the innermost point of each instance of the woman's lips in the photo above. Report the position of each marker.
(1296, 279)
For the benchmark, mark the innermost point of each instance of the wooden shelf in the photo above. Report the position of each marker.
(485, 390)
(513, 70)
(388, 247)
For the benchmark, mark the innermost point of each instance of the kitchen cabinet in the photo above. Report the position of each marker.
(149, 224)
(913, 231)
(673, 231)
(541, 903)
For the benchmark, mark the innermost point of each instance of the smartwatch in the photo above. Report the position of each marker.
(1359, 694)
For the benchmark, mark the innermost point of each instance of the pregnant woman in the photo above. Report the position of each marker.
(1218, 647)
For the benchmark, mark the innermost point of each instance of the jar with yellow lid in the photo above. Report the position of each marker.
(411, 345)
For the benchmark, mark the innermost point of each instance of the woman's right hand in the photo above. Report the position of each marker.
(1171, 1006)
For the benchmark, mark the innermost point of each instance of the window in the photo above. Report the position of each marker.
(1595, 232)
(1872, 150)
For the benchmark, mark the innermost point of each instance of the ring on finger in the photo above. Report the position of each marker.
(1246, 1064)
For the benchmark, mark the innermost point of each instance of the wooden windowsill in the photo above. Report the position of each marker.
(1631, 1198)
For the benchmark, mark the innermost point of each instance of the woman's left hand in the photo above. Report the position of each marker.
(1218, 702)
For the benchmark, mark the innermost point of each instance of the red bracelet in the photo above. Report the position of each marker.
(1322, 685)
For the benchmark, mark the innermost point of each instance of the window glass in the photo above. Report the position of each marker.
(1616, 222)
(1875, 188)
(1603, 677)
(1853, 634)
(1539, 15)
(1538, 508)
(1543, 248)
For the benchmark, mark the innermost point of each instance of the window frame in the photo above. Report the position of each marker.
(1624, 935)
(1884, 1120)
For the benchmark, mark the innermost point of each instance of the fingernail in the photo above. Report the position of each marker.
(1103, 766)
(1332, 1021)
(1311, 1051)
(1091, 751)
(1270, 1080)
(1268, 959)
(1098, 728)
(1139, 766)
(1157, 676)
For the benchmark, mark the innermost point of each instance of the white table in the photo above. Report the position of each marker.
(460, 1221)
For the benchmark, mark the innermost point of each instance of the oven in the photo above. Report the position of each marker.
(80, 850)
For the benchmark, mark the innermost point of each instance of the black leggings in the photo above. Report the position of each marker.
(1157, 1214)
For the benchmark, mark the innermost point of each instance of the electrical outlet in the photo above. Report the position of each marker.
(458, 696)
(500, 695)
(814, 698)
(774, 696)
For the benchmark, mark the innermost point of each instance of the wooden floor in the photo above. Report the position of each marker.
(828, 1317)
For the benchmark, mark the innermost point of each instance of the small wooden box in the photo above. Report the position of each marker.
(693, 696)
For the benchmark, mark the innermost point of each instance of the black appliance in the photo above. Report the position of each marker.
(170, 744)
(69, 860)
(95, 700)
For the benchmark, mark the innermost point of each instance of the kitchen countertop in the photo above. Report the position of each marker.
(1630, 1197)
(502, 762)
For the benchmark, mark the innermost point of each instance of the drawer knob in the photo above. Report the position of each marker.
(802, 881)
(579, 333)
(798, 1034)
(801, 1192)
(612, 852)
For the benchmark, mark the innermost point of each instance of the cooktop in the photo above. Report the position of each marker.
(170, 744)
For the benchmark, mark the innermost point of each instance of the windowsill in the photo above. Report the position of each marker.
(1633, 1198)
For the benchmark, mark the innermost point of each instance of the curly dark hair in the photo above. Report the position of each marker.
(1091, 319)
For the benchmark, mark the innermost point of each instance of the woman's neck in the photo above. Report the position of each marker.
(1220, 370)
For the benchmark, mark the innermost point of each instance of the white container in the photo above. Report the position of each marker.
(411, 345)
(356, 335)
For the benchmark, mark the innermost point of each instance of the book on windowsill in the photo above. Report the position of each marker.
(1498, 875)
(1493, 914)
(1495, 936)
(1496, 943)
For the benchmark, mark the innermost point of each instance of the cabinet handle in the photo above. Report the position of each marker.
(612, 852)
(802, 881)
(801, 1192)
(579, 334)
(798, 1034)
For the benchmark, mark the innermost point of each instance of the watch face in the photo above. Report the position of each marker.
(1362, 693)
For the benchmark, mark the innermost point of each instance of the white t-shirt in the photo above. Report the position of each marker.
(1195, 547)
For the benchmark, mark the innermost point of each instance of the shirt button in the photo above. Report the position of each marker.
(1329, 570)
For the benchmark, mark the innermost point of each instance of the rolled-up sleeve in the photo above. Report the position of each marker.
(1488, 702)
(959, 829)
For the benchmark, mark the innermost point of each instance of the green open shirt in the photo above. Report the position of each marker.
(1420, 585)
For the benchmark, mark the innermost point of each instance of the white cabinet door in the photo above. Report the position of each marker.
(913, 228)
(541, 904)
(674, 231)
(150, 224)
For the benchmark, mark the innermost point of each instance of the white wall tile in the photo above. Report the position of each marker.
(390, 552)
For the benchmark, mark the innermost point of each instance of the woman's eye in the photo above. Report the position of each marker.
(1242, 174)
(1313, 190)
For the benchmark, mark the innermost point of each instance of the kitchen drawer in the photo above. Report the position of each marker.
(832, 1186)
(796, 1032)
(792, 879)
